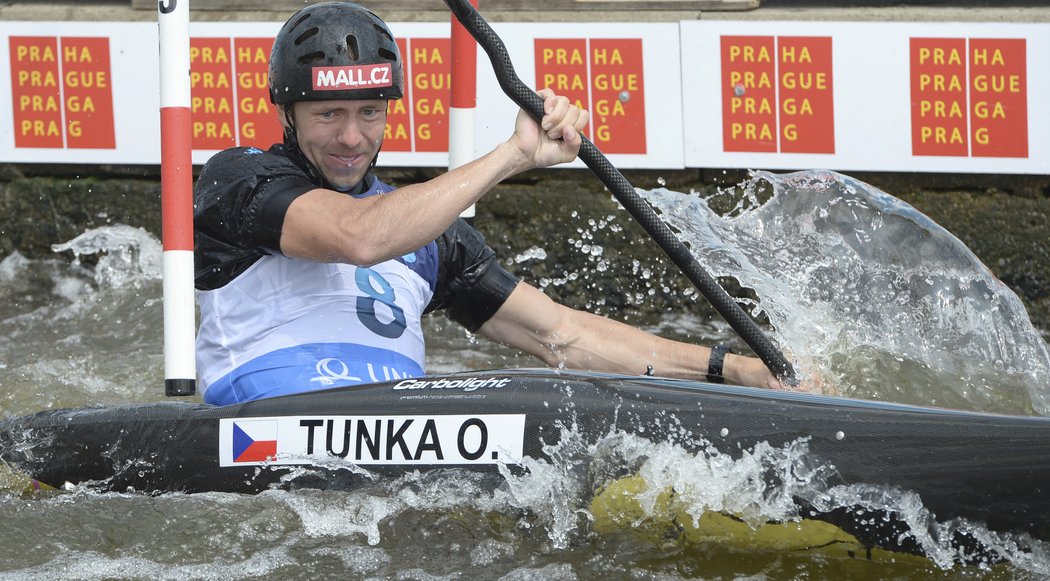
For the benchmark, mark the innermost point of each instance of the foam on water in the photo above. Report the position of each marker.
(822, 255)
(463, 521)
(82, 332)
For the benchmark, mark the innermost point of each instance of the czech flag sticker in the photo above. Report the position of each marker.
(253, 441)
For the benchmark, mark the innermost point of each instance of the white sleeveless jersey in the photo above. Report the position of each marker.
(286, 326)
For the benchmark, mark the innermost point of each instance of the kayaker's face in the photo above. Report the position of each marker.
(341, 137)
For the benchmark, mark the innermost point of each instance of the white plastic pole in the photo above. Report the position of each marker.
(177, 197)
(463, 112)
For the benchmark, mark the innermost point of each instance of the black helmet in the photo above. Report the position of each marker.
(334, 50)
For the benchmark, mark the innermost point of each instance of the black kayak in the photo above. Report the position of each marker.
(991, 470)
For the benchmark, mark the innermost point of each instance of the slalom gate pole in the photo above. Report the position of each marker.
(463, 113)
(177, 197)
(527, 99)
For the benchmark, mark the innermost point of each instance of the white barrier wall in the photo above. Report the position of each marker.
(929, 97)
(961, 97)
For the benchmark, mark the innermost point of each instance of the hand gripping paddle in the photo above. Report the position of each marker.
(624, 192)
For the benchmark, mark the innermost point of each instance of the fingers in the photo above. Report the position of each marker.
(562, 119)
(557, 137)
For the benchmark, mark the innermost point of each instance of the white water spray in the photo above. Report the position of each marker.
(871, 293)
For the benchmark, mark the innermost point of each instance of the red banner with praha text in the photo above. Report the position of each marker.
(807, 103)
(749, 95)
(604, 76)
(398, 120)
(62, 92)
(430, 74)
(211, 93)
(969, 97)
(257, 121)
(230, 95)
(938, 96)
(795, 113)
(419, 120)
(87, 93)
(999, 93)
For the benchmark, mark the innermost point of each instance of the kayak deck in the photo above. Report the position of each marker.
(984, 468)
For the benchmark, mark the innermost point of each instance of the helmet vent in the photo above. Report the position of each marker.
(352, 50)
(301, 20)
(382, 30)
(311, 58)
(306, 35)
(388, 54)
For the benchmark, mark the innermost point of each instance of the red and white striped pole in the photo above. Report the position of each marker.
(463, 112)
(176, 178)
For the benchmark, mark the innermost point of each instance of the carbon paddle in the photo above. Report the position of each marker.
(624, 192)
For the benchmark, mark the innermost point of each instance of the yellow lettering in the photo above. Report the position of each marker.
(561, 56)
(939, 56)
(997, 83)
(37, 103)
(86, 79)
(748, 54)
(603, 57)
(787, 55)
(248, 55)
(37, 79)
(35, 54)
(940, 135)
(423, 107)
(252, 80)
(561, 82)
(981, 110)
(40, 129)
(750, 105)
(791, 107)
(939, 82)
(422, 55)
(748, 80)
(980, 57)
(436, 81)
(603, 133)
(75, 105)
(251, 105)
(398, 132)
(805, 81)
(602, 107)
(751, 132)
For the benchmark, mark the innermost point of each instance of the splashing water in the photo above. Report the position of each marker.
(127, 255)
(863, 287)
(96, 337)
(76, 334)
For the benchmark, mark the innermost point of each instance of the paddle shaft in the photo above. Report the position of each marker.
(624, 192)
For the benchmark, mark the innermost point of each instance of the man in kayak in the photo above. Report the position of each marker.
(312, 273)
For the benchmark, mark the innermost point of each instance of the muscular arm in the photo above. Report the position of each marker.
(561, 336)
(329, 226)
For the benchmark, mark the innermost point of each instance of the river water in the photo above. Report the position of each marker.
(868, 294)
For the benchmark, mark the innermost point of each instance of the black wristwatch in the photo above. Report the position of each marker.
(714, 364)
